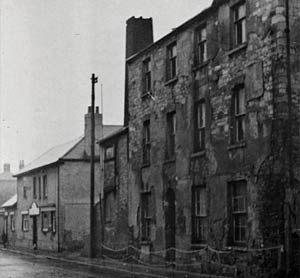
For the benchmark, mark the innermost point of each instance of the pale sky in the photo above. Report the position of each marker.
(50, 48)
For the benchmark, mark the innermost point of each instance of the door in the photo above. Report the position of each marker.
(170, 225)
(34, 232)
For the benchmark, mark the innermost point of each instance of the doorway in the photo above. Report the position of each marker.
(170, 225)
(34, 232)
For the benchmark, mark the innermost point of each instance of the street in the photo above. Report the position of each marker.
(25, 266)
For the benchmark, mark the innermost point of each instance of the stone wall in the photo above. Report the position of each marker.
(262, 159)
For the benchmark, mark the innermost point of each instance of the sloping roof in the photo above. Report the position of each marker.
(114, 134)
(50, 157)
(10, 202)
(108, 129)
(53, 155)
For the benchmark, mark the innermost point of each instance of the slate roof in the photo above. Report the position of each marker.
(50, 157)
(10, 202)
(56, 153)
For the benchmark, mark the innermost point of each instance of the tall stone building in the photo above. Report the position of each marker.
(213, 136)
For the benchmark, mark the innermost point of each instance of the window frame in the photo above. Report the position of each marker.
(25, 195)
(147, 76)
(201, 45)
(50, 226)
(199, 220)
(238, 117)
(238, 215)
(239, 24)
(171, 128)
(25, 218)
(34, 187)
(113, 155)
(45, 187)
(171, 61)
(200, 125)
(12, 220)
(40, 187)
(146, 143)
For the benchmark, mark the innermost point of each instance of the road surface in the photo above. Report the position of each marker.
(14, 265)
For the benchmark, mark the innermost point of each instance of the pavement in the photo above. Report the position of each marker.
(112, 267)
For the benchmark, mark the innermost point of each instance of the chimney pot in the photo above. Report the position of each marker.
(90, 109)
(97, 109)
(6, 167)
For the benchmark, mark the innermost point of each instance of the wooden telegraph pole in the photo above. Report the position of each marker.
(92, 254)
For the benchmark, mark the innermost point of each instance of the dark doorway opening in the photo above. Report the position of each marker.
(34, 232)
(170, 225)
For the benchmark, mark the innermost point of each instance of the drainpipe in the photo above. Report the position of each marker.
(58, 210)
(290, 143)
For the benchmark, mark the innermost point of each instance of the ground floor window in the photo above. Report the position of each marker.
(109, 200)
(238, 208)
(49, 221)
(25, 222)
(146, 215)
(199, 214)
(12, 222)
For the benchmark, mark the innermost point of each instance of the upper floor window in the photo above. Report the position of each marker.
(146, 142)
(45, 187)
(239, 24)
(25, 192)
(201, 45)
(200, 112)
(199, 214)
(34, 188)
(40, 187)
(238, 193)
(171, 61)
(147, 76)
(239, 114)
(171, 132)
(109, 152)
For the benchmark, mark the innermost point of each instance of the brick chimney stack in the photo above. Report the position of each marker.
(6, 167)
(139, 35)
(88, 127)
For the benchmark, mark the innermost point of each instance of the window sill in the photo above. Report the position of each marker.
(145, 165)
(198, 154)
(237, 145)
(25, 231)
(171, 81)
(198, 246)
(200, 65)
(145, 242)
(169, 160)
(237, 49)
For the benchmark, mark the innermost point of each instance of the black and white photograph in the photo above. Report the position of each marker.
(150, 138)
